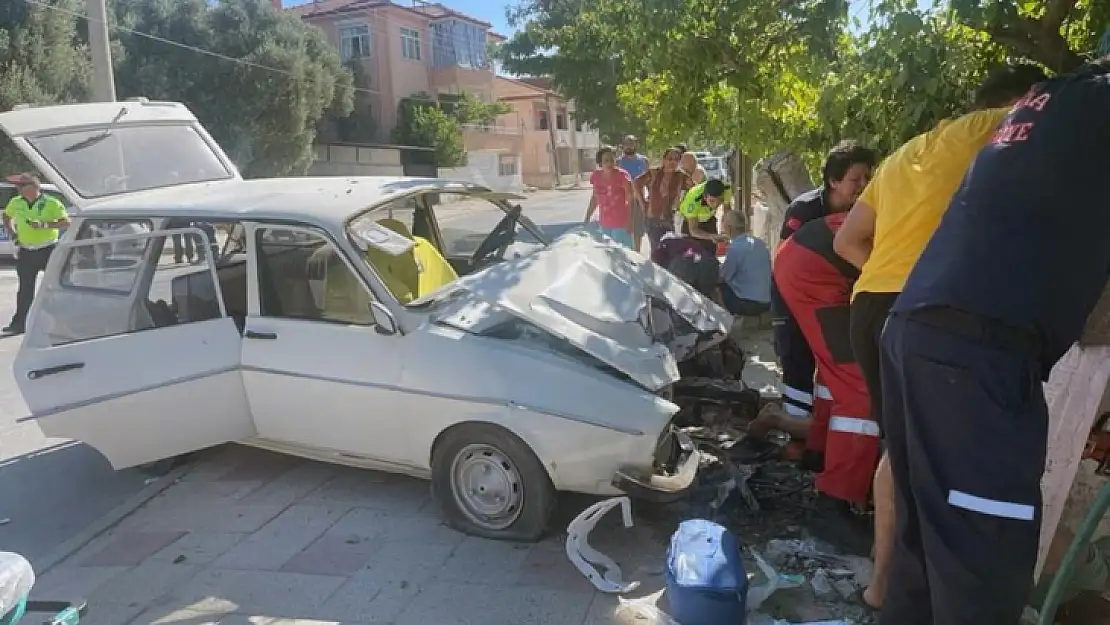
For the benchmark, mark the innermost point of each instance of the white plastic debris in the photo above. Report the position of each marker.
(642, 610)
(822, 587)
(758, 594)
(16, 579)
(586, 559)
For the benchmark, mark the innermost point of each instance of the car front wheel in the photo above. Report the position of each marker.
(490, 484)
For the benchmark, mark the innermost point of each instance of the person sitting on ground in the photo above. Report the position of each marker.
(746, 272)
(612, 198)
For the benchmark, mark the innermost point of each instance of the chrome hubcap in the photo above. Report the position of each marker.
(487, 486)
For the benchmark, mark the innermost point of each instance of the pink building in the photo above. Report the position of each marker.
(418, 47)
(407, 49)
(545, 116)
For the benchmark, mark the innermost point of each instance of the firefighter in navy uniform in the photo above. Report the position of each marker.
(999, 294)
(844, 176)
(815, 284)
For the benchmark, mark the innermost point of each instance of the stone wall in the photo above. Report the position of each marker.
(350, 160)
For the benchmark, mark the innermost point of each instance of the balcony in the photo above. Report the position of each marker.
(494, 129)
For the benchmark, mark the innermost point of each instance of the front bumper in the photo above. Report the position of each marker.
(663, 488)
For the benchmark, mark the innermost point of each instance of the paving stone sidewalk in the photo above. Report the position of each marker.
(252, 537)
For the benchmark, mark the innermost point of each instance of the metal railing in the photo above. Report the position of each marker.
(495, 129)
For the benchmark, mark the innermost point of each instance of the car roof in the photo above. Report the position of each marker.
(324, 201)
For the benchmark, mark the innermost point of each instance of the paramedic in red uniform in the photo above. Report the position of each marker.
(815, 284)
(999, 294)
(844, 176)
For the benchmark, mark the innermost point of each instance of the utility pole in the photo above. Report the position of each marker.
(551, 133)
(104, 82)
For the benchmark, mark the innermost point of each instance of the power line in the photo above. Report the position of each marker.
(183, 46)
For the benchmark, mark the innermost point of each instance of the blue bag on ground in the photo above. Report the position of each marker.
(706, 581)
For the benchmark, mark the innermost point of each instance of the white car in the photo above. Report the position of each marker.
(7, 192)
(333, 327)
(715, 168)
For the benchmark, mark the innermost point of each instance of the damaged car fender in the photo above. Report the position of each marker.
(582, 420)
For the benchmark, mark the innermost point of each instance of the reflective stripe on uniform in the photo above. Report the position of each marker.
(822, 392)
(991, 507)
(794, 394)
(854, 425)
(795, 410)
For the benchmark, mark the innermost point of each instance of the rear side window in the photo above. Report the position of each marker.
(110, 266)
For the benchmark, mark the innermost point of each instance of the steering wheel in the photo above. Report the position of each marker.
(494, 246)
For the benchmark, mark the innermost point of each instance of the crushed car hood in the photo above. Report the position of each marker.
(602, 298)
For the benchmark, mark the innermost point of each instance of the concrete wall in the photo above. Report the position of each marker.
(483, 167)
(349, 160)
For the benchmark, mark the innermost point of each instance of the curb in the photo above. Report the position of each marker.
(109, 520)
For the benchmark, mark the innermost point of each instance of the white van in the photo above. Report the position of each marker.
(7, 192)
(715, 168)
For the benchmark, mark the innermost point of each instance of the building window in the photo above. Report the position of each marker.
(354, 41)
(458, 43)
(577, 124)
(542, 123)
(507, 166)
(410, 44)
(561, 120)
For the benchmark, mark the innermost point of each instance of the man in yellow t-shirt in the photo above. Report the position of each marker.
(32, 219)
(887, 230)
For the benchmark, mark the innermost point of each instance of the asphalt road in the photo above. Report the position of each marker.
(51, 489)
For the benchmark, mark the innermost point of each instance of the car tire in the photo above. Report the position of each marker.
(475, 464)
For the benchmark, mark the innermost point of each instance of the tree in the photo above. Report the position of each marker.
(421, 122)
(42, 61)
(269, 81)
(359, 126)
(910, 70)
(730, 68)
(1055, 33)
(582, 64)
(471, 110)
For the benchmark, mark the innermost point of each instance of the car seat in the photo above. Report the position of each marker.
(415, 273)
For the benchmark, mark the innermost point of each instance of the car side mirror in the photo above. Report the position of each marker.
(383, 319)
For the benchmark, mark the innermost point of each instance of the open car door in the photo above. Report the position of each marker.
(133, 353)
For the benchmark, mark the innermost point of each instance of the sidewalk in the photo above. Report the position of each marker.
(247, 536)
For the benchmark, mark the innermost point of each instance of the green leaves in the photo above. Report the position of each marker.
(263, 109)
(42, 61)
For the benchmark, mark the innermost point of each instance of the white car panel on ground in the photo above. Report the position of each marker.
(332, 326)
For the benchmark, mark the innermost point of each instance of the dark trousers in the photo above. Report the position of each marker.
(966, 428)
(27, 268)
(182, 249)
(795, 357)
(740, 306)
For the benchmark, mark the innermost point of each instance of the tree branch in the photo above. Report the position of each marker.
(1055, 13)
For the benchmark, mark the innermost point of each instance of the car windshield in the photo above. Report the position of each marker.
(101, 162)
(710, 164)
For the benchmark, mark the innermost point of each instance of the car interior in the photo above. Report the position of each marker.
(302, 276)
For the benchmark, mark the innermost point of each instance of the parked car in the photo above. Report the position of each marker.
(7, 192)
(337, 325)
(715, 168)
